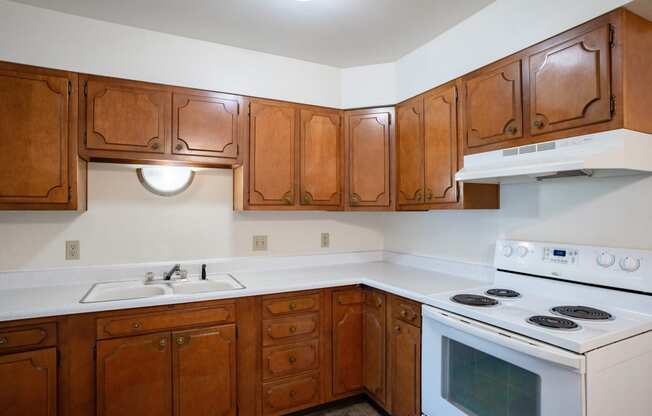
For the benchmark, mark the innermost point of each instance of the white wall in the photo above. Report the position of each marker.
(57, 40)
(125, 223)
(369, 85)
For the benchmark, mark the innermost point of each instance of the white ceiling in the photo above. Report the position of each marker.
(340, 33)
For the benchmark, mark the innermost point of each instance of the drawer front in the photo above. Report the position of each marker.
(290, 305)
(406, 310)
(286, 360)
(290, 329)
(143, 323)
(287, 395)
(23, 337)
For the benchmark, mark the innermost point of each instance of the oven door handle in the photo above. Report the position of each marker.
(507, 339)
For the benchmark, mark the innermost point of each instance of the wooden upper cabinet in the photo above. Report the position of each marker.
(38, 147)
(272, 149)
(205, 124)
(320, 145)
(29, 383)
(127, 116)
(134, 376)
(570, 83)
(374, 357)
(409, 147)
(440, 145)
(348, 307)
(369, 154)
(493, 106)
(204, 371)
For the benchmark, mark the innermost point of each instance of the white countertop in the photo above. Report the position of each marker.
(400, 279)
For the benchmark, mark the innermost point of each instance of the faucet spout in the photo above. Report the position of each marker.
(168, 276)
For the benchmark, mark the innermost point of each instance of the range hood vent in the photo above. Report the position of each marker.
(611, 153)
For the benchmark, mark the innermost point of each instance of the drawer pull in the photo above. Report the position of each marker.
(292, 306)
(136, 325)
(293, 329)
(404, 313)
(179, 147)
(293, 394)
(292, 359)
(155, 146)
(162, 343)
(397, 328)
(180, 341)
(4, 341)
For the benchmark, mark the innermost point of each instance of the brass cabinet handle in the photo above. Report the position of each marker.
(538, 124)
(307, 199)
(155, 145)
(136, 325)
(429, 195)
(512, 130)
(292, 359)
(292, 306)
(418, 196)
(180, 341)
(354, 199)
(293, 394)
(379, 303)
(179, 146)
(404, 313)
(397, 328)
(288, 198)
(4, 341)
(162, 342)
(293, 329)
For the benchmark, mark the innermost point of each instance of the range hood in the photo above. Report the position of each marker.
(611, 153)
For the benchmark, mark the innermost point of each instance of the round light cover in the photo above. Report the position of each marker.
(165, 180)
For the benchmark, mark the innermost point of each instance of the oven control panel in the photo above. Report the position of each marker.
(559, 255)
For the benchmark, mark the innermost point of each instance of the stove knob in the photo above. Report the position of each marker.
(606, 259)
(630, 264)
(507, 251)
(522, 251)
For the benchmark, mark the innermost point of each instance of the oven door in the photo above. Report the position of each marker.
(470, 368)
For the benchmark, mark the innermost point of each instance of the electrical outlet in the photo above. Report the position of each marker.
(325, 240)
(72, 250)
(260, 243)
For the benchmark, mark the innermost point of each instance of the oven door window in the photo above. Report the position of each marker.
(482, 385)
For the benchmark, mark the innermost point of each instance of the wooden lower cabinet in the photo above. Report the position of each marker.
(404, 368)
(374, 342)
(28, 383)
(348, 309)
(288, 395)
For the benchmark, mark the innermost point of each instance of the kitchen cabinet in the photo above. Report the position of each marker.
(29, 383)
(374, 341)
(39, 164)
(320, 155)
(409, 149)
(493, 106)
(348, 307)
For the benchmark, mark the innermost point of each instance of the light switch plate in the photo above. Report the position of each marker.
(325, 240)
(72, 250)
(260, 243)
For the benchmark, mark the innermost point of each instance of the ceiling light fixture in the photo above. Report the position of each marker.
(165, 180)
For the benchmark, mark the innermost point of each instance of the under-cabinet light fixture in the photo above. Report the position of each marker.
(165, 180)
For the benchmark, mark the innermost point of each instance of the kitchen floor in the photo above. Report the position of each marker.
(358, 408)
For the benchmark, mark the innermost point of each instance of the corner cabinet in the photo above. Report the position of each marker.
(39, 164)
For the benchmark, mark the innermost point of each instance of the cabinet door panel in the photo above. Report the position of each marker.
(125, 117)
(347, 340)
(29, 383)
(494, 106)
(368, 151)
(134, 376)
(409, 142)
(374, 345)
(204, 371)
(320, 144)
(440, 144)
(205, 125)
(570, 83)
(34, 138)
(405, 367)
(272, 147)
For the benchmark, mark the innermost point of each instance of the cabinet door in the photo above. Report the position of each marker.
(347, 340)
(205, 125)
(493, 105)
(570, 83)
(368, 156)
(29, 383)
(374, 345)
(204, 371)
(440, 144)
(134, 376)
(320, 147)
(34, 137)
(127, 116)
(409, 143)
(271, 158)
(405, 367)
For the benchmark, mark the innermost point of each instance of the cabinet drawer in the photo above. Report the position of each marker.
(286, 395)
(142, 323)
(23, 337)
(290, 359)
(291, 304)
(290, 329)
(406, 310)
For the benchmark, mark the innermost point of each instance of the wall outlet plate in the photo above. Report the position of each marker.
(325, 240)
(72, 250)
(259, 243)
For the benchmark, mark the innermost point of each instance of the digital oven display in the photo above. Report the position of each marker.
(559, 253)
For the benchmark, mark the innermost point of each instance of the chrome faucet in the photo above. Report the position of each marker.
(175, 269)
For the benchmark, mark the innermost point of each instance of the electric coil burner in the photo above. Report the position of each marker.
(552, 322)
(503, 293)
(474, 300)
(582, 312)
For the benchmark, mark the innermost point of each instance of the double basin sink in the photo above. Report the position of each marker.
(111, 291)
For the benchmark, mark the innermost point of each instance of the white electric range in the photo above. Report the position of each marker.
(563, 330)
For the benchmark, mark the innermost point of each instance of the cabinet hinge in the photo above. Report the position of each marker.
(85, 88)
(612, 105)
(69, 88)
(612, 42)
